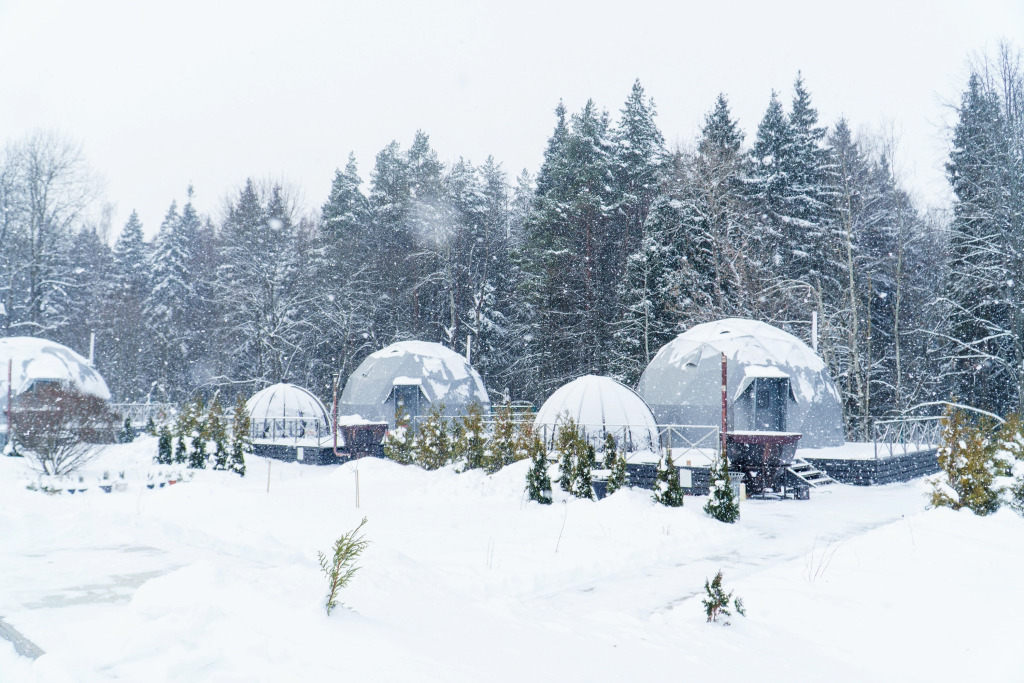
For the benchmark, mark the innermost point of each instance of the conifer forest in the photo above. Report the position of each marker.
(587, 264)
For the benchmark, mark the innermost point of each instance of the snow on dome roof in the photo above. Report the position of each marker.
(40, 360)
(442, 375)
(286, 411)
(682, 383)
(599, 405)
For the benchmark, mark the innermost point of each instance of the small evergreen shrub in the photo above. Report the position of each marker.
(575, 460)
(197, 456)
(218, 434)
(971, 459)
(471, 443)
(340, 569)
(127, 434)
(241, 438)
(583, 481)
(667, 489)
(538, 483)
(716, 603)
(164, 446)
(398, 444)
(503, 442)
(616, 464)
(433, 440)
(722, 503)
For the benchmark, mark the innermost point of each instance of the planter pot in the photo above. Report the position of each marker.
(162, 484)
(149, 486)
(121, 486)
(172, 482)
(106, 488)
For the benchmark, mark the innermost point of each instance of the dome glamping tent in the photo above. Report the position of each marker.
(37, 362)
(287, 413)
(776, 383)
(600, 405)
(413, 375)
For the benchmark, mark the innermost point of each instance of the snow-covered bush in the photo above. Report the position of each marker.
(340, 569)
(575, 460)
(218, 434)
(241, 438)
(667, 489)
(164, 447)
(197, 456)
(57, 428)
(722, 503)
(504, 444)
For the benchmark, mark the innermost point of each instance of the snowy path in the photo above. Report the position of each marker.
(218, 580)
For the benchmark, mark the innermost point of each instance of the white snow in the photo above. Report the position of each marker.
(754, 342)
(217, 580)
(37, 359)
(598, 404)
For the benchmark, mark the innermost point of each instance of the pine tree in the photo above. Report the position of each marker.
(125, 332)
(667, 489)
(241, 437)
(433, 440)
(716, 603)
(127, 434)
(618, 477)
(183, 427)
(722, 503)
(164, 446)
(567, 446)
(538, 483)
(399, 444)
(470, 444)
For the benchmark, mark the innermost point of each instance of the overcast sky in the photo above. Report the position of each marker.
(166, 94)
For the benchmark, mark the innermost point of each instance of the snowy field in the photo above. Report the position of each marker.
(217, 580)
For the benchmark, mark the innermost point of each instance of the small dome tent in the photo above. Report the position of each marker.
(413, 375)
(600, 405)
(286, 412)
(766, 367)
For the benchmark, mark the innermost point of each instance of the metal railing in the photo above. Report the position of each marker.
(295, 430)
(141, 413)
(905, 435)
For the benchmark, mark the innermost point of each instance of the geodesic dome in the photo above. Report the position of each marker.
(600, 405)
(39, 361)
(286, 411)
(415, 375)
(683, 382)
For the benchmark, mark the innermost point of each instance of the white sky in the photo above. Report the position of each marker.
(166, 94)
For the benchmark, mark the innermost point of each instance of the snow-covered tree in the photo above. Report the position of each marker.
(399, 445)
(241, 437)
(667, 489)
(722, 503)
(470, 445)
(433, 439)
(538, 483)
(615, 462)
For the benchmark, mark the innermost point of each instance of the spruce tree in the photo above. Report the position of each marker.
(722, 503)
(127, 434)
(538, 483)
(567, 446)
(241, 440)
(615, 462)
(399, 444)
(667, 489)
(183, 427)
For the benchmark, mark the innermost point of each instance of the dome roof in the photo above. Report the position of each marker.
(442, 375)
(40, 360)
(286, 410)
(682, 383)
(599, 405)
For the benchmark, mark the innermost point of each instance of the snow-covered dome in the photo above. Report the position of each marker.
(414, 374)
(682, 384)
(285, 411)
(41, 361)
(600, 405)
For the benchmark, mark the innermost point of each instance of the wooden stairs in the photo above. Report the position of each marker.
(809, 474)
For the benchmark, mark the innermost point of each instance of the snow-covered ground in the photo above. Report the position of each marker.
(217, 580)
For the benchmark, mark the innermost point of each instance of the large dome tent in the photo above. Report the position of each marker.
(599, 405)
(37, 361)
(285, 411)
(682, 383)
(414, 375)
